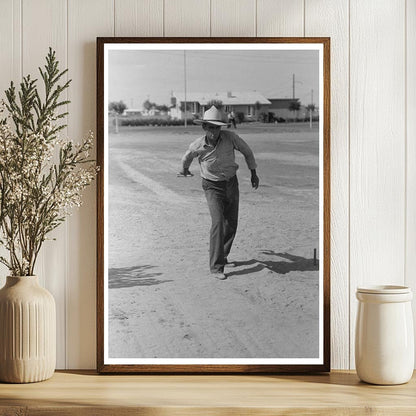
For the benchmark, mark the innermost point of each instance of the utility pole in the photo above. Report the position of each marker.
(184, 72)
(293, 86)
(310, 110)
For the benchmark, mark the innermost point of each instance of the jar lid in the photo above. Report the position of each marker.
(384, 289)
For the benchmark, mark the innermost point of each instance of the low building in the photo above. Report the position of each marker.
(280, 108)
(249, 103)
(132, 112)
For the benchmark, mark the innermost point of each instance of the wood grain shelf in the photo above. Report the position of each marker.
(86, 393)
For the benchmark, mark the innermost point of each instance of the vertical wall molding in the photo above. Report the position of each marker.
(410, 82)
(280, 18)
(37, 38)
(304, 17)
(10, 44)
(87, 20)
(164, 19)
(10, 63)
(139, 17)
(330, 18)
(187, 18)
(348, 365)
(377, 146)
(233, 18)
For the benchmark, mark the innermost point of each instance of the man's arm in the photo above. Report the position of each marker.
(244, 148)
(187, 159)
(254, 179)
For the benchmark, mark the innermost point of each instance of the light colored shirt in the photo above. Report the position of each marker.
(217, 163)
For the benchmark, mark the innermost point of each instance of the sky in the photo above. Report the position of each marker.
(137, 75)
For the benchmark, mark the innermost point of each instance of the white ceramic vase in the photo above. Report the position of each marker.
(27, 331)
(384, 341)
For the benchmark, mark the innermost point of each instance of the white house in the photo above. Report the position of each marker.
(250, 103)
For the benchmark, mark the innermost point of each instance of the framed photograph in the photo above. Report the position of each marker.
(213, 205)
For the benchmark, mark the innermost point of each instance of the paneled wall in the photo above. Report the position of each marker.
(373, 132)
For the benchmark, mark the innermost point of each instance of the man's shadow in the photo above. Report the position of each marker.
(295, 263)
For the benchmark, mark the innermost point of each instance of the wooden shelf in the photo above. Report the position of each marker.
(86, 393)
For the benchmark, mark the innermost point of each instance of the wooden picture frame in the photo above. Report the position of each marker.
(133, 194)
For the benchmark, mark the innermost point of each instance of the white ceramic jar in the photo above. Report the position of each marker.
(384, 338)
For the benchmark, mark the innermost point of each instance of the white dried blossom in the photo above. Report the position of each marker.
(42, 175)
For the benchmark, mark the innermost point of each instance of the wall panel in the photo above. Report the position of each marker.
(10, 65)
(411, 148)
(377, 193)
(280, 18)
(373, 128)
(10, 44)
(86, 20)
(44, 25)
(233, 18)
(187, 18)
(330, 18)
(6, 45)
(138, 18)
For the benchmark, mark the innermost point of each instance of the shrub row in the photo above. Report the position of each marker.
(264, 118)
(153, 122)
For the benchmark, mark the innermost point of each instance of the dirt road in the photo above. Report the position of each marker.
(162, 301)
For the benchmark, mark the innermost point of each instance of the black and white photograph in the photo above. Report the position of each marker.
(213, 202)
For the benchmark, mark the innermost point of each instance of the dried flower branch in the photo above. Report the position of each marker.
(36, 193)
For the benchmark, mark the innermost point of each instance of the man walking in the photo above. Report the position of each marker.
(215, 153)
(231, 119)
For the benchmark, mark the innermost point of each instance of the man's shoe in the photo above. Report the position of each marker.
(229, 264)
(219, 275)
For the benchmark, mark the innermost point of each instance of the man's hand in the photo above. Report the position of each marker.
(254, 180)
(184, 173)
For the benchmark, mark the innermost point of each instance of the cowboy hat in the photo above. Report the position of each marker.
(212, 116)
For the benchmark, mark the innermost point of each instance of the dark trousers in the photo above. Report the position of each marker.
(222, 198)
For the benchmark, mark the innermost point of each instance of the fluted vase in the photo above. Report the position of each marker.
(27, 331)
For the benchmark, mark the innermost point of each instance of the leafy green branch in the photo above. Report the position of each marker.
(36, 193)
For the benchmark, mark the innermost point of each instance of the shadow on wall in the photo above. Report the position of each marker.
(133, 276)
